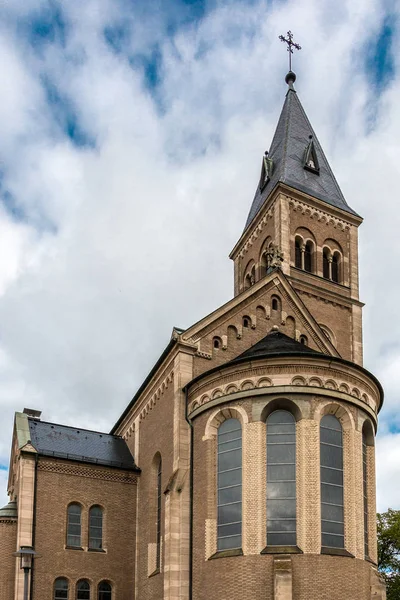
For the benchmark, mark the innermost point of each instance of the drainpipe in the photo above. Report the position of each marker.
(191, 498)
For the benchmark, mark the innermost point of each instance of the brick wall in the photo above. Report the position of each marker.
(155, 435)
(58, 484)
(310, 576)
(8, 543)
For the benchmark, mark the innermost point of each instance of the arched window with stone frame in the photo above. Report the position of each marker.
(61, 589)
(74, 525)
(298, 245)
(332, 483)
(83, 590)
(265, 257)
(281, 479)
(249, 275)
(104, 591)
(96, 527)
(229, 485)
(336, 267)
(309, 256)
(326, 260)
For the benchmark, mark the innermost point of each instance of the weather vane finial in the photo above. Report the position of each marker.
(291, 44)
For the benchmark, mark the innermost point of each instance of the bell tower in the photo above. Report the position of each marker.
(299, 222)
(284, 417)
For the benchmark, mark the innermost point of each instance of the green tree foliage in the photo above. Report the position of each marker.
(389, 551)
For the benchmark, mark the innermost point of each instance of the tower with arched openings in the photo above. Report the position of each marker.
(244, 466)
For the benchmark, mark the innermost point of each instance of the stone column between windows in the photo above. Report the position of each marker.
(282, 231)
(349, 482)
(353, 261)
(303, 251)
(254, 488)
(25, 514)
(371, 497)
(358, 492)
(211, 519)
(318, 265)
(177, 500)
(308, 486)
(356, 334)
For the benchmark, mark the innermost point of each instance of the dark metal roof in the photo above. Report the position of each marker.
(288, 149)
(9, 511)
(61, 441)
(275, 343)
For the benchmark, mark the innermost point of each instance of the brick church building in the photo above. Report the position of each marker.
(243, 468)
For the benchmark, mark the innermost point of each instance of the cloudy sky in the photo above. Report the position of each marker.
(131, 134)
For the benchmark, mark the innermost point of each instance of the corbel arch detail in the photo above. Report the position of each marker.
(222, 414)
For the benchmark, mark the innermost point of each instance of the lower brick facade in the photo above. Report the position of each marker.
(58, 485)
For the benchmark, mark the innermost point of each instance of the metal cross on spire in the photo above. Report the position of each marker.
(291, 44)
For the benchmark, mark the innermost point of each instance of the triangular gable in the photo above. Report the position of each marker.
(277, 281)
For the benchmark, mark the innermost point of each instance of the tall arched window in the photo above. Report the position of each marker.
(325, 263)
(229, 485)
(158, 527)
(297, 253)
(61, 589)
(281, 479)
(74, 525)
(332, 510)
(308, 257)
(96, 528)
(335, 267)
(105, 591)
(83, 590)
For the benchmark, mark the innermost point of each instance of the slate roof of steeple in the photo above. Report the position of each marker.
(287, 151)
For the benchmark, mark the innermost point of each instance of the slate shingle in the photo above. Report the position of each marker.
(81, 445)
(287, 151)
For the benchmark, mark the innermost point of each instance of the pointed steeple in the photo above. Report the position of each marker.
(297, 159)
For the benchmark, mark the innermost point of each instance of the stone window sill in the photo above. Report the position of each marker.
(226, 553)
(156, 572)
(281, 550)
(336, 552)
(74, 548)
(101, 550)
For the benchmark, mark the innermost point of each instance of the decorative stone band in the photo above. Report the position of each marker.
(285, 375)
(66, 468)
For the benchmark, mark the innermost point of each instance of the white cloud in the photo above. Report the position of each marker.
(124, 241)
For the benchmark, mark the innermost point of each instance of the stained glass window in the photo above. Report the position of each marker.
(281, 479)
(229, 485)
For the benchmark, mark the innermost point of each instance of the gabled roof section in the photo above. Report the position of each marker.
(61, 441)
(280, 284)
(276, 343)
(288, 155)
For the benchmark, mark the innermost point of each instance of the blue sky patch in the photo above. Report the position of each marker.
(150, 64)
(117, 37)
(65, 115)
(379, 57)
(3, 468)
(47, 26)
(9, 202)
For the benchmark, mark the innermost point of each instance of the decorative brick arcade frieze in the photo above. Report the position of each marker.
(90, 472)
(342, 384)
